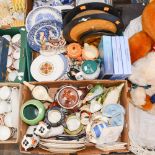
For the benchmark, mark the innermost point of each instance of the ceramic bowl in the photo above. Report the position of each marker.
(32, 112)
(54, 116)
(68, 97)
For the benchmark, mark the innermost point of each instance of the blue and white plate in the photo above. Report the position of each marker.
(38, 3)
(41, 14)
(48, 68)
(50, 29)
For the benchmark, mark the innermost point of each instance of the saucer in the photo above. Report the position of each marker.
(48, 68)
(42, 32)
(41, 14)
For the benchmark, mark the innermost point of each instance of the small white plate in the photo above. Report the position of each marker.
(47, 68)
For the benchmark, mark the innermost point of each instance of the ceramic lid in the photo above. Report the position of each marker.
(89, 67)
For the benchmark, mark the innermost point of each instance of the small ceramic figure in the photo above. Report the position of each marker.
(90, 52)
(30, 141)
(39, 92)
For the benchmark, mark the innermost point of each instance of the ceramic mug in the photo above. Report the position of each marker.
(32, 112)
(90, 70)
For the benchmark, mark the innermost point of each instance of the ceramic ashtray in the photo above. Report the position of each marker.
(32, 112)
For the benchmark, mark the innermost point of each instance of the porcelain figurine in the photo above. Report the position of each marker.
(39, 92)
(30, 141)
(4, 107)
(90, 70)
(42, 129)
(90, 52)
(5, 92)
(54, 131)
(94, 92)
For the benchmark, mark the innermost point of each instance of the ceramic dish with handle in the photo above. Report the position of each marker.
(43, 32)
(41, 14)
(91, 7)
(76, 28)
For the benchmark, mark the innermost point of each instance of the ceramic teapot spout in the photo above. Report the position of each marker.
(30, 86)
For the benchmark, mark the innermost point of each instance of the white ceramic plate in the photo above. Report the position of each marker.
(48, 68)
(40, 14)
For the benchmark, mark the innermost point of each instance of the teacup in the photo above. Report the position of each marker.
(4, 107)
(6, 132)
(32, 112)
(8, 120)
(5, 92)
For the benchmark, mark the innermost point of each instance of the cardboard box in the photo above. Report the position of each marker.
(19, 86)
(25, 52)
(90, 149)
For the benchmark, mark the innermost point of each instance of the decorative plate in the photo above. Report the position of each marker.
(40, 14)
(89, 6)
(103, 22)
(43, 32)
(48, 68)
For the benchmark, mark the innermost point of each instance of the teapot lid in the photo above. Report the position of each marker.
(89, 67)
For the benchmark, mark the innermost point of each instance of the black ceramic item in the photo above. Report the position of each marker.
(92, 36)
(90, 6)
(86, 23)
(60, 122)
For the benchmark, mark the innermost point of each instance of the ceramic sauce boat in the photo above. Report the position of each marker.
(39, 92)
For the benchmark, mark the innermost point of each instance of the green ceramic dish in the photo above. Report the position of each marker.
(32, 112)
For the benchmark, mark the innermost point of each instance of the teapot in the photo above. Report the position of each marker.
(90, 70)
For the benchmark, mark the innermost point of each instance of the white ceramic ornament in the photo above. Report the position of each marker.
(39, 92)
(4, 107)
(5, 92)
(10, 51)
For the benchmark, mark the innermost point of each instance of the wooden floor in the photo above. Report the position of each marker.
(13, 150)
